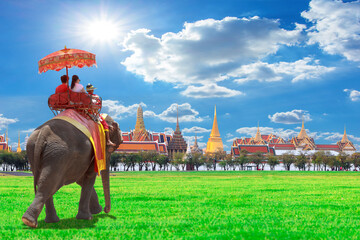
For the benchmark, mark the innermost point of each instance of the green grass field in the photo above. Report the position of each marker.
(198, 205)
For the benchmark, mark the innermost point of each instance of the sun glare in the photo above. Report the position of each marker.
(102, 30)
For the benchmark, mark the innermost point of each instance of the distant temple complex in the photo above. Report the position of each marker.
(142, 140)
(214, 143)
(271, 144)
(4, 140)
(177, 143)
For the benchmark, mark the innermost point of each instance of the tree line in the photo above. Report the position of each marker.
(152, 161)
(11, 161)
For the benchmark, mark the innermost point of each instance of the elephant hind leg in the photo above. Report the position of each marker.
(32, 213)
(51, 216)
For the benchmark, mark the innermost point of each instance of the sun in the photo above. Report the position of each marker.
(102, 30)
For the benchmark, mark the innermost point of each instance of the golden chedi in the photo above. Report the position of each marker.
(214, 143)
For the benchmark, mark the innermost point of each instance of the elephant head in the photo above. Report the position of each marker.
(115, 136)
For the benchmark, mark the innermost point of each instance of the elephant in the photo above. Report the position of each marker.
(59, 154)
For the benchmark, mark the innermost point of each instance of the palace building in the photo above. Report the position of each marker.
(4, 139)
(271, 144)
(214, 143)
(142, 140)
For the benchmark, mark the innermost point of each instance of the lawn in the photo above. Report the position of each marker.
(198, 205)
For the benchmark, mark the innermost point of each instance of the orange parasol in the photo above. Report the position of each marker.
(66, 58)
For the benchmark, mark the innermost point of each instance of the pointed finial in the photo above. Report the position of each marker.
(177, 118)
(65, 47)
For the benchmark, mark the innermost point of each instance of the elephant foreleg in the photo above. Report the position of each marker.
(51, 215)
(95, 207)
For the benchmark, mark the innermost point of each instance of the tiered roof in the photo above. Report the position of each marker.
(177, 143)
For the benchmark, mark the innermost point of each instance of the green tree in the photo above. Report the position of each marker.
(300, 161)
(318, 159)
(230, 162)
(179, 161)
(162, 161)
(287, 159)
(257, 158)
(343, 160)
(196, 159)
(272, 160)
(355, 158)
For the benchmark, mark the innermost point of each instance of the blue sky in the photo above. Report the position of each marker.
(272, 62)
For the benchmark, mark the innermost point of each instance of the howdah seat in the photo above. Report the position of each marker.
(81, 102)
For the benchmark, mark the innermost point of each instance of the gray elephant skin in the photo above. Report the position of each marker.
(60, 154)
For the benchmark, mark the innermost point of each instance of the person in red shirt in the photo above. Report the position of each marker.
(95, 98)
(64, 86)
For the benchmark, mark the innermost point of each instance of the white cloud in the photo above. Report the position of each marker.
(30, 130)
(229, 135)
(354, 94)
(284, 133)
(292, 117)
(210, 91)
(4, 122)
(119, 111)
(304, 69)
(205, 52)
(168, 131)
(186, 114)
(336, 27)
(196, 129)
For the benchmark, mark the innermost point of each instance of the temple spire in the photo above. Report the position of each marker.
(214, 143)
(344, 138)
(195, 143)
(258, 135)
(215, 130)
(302, 133)
(18, 148)
(140, 133)
(177, 119)
(140, 125)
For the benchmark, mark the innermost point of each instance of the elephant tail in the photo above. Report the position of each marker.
(38, 150)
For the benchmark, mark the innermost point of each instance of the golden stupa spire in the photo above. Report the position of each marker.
(214, 143)
(344, 138)
(215, 130)
(18, 148)
(302, 133)
(140, 125)
(258, 135)
(140, 133)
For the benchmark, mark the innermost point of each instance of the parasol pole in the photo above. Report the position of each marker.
(67, 74)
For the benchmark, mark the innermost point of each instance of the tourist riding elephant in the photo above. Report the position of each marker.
(60, 154)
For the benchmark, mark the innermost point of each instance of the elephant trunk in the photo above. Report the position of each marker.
(106, 186)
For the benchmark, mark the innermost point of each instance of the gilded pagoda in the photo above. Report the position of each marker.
(214, 143)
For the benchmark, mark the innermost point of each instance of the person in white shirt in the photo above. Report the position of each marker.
(75, 84)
